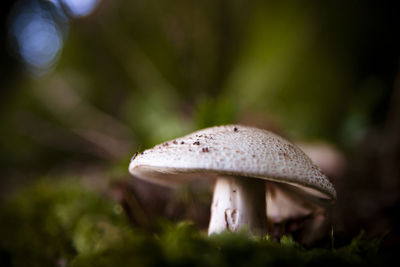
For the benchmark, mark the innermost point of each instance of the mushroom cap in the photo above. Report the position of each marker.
(234, 150)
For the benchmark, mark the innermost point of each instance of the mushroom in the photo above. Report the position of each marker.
(240, 160)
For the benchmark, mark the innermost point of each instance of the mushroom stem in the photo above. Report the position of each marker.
(237, 203)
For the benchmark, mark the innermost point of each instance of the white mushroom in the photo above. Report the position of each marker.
(241, 159)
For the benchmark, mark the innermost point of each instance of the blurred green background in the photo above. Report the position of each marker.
(86, 84)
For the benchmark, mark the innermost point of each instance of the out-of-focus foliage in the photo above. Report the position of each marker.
(57, 223)
(136, 73)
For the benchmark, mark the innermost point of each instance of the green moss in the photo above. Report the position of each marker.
(54, 223)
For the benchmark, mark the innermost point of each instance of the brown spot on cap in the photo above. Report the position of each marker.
(134, 156)
(196, 143)
(174, 142)
(205, 149)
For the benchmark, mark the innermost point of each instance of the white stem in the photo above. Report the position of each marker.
(238, 202)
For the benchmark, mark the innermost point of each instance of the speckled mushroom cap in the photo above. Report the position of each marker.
(233, 150)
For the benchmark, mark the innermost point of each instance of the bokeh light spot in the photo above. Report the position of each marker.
(38, 38)
(39, 42)
(80, 8)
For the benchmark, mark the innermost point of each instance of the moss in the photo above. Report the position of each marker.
(64, 223)
(54, 221)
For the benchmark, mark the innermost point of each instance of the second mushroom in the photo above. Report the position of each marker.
(241, 160)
